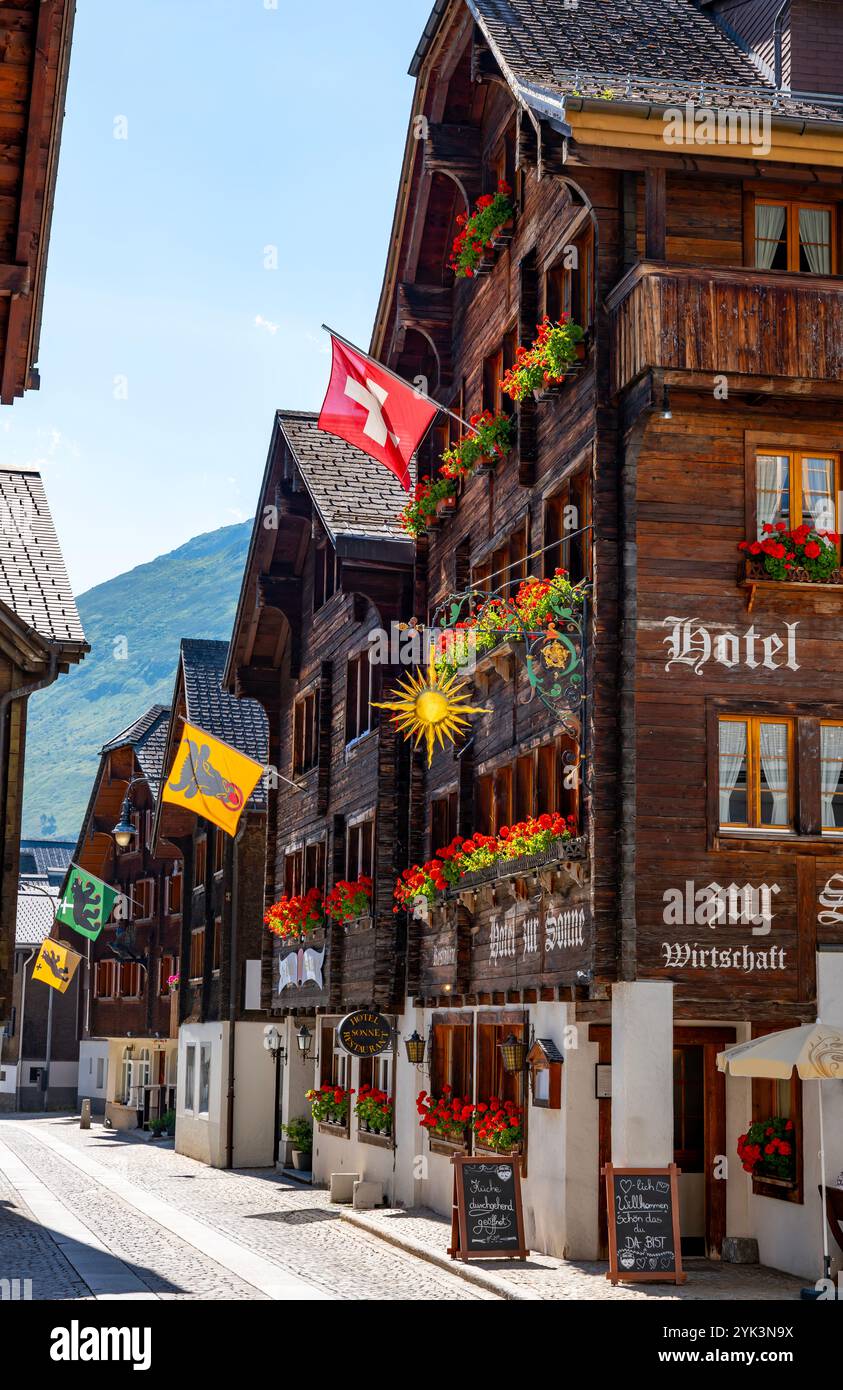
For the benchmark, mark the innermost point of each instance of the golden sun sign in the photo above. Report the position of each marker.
(431, 707)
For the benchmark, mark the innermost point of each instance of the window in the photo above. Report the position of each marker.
(217, 947)
(492, 1079)
(451, 1061)
(197, 954)
(189, 1076)
(360, 850)
(201, 860)
(755, 783)
(304, 868)
(503, 571)
(779, 1100)
(443, 820)
(495, 366)
(325, 574)
(167, 966)
(130, 980)
(569, 284)
(334, 1064)
(106, 979)
(219, 851)
(524, 775)
(795, 236)
(305, 733)
(359, 692)
(539, 781)
(173, 890)
(831, 775)
(143, 899)
(797, 487)
(566, 540)
(125, 1076)
(204, 1078)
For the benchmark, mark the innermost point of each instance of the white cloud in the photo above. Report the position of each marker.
(261, 322)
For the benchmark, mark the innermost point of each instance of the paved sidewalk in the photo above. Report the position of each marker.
(424, 1233)
(99, 1214)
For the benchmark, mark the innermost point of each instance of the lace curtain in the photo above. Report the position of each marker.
(732, 762)
(769, 224)
(815, 239)
(774, 768)
(832, 764)
(771, 479)
(818, 492)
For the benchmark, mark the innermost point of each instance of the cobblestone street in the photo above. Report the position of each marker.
(96, 1214)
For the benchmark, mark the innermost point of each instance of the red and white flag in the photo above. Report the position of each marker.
(374, 410)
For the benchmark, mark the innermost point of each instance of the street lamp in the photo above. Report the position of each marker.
(304, 1038)
(273, 1042)
(415, 1046)
(124, 831)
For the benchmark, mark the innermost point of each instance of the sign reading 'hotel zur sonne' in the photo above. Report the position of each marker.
(364, 1033)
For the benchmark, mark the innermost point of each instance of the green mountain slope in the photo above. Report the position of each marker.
(134, 624)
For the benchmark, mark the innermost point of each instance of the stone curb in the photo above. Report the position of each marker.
(471, 1274)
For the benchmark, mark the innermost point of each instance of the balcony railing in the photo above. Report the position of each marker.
(734, 321)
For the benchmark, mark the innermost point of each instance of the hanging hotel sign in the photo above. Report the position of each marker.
(365, 1034)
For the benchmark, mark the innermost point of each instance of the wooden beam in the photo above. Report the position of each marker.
(15, 279)
(655, 214)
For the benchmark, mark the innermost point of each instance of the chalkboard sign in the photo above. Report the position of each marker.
(644, 1240)
(487, 1220)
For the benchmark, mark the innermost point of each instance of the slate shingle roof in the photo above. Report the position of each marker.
(45, 856)
(354, 494)
(242, 723)
(33, 578)
(643, 50)
(35, 914)
(148, 736)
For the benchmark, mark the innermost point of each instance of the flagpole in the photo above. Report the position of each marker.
(423, 394)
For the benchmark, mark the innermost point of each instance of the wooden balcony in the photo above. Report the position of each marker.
(702, 320)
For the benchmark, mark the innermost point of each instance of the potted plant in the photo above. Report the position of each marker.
(330, 1104)
(768, 1150)
(421, 510)
(489, 440)
(801, 556)
(547, 361)
(479, 230)
(498, 1125)
(347, 901)
(295, 915)
(374, 1110)
(536, 607)
(447, 1117)
(300, 1134)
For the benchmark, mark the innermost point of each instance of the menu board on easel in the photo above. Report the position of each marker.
(644, 1237)
(487, 1220)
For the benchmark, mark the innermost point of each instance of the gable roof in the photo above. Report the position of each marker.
(240, 722)
(642, 50)
(148, 737)
(33, 578)
(41, 858)
(354, 495)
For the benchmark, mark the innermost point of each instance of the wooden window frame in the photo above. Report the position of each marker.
(443, 819)
(547, 766)
(219, 851)
(305, 717)
(833, 832)
(174, 895)
(197, 950)
(557, 541)
(108, 968)
(326, 574)
(754, 825)
(334, 1070)
(216, 947)
(167, 966)
(360, 717)
(792, 208)
(449, 1066)
(133, 968)
(572, 291)
(358, 832)
(795, 454)
(200, 862)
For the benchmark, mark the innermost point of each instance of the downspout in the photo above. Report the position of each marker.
(24, 967)
(778, 60)
(232, 989)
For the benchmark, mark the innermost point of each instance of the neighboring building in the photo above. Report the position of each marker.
(40, 638)
(45, 859)
(35, 39)
(334, 567)
(39, 1051)
(128, 1035)
(222, 1115)
(711, 745)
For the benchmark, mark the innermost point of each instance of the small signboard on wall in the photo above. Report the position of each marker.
(644, 1240)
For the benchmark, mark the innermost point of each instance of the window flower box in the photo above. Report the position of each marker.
(489, 440)
(481, 232)
(557, 348)
(768, 1152)
(349, 901)
(445, 1119)
(330, 1106)
(464, 863)
(295, 916)
(799, 559)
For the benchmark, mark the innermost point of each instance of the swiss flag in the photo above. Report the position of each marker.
(374, 410)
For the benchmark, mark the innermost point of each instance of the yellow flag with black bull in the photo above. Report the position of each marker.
(56, 964)
(211, 779)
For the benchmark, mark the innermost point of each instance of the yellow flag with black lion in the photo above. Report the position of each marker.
(211, 779)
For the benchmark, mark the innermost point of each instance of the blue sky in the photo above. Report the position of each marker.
(248, 126)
